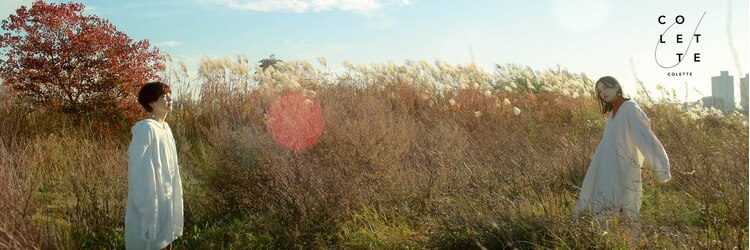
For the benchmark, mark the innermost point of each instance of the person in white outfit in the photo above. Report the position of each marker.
(612, 185)
(154, 211)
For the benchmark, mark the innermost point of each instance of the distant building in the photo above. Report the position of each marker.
(744, 92)
(722, 91)
(714, 101)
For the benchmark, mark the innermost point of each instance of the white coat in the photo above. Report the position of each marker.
(613, 180)
(154, 211)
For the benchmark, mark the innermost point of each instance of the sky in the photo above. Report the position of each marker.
(596, 37)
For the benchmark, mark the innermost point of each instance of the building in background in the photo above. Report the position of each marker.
(744, 93)
(713, 102)
(722, 92)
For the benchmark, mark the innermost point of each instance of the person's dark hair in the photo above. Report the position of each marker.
(151, 92)
(610, 82)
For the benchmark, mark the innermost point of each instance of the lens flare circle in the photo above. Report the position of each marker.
(295, 121)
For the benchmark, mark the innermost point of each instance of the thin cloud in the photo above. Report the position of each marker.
(380, 21)
(302, 6)
(169, 44)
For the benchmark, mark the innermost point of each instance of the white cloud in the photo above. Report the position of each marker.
(170, 44)
(301, 6)
(8, 7)
(380, 21)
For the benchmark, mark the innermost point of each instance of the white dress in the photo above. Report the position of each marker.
(613, 180)
(154, 212)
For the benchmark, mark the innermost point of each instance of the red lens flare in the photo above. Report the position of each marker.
(295, 121)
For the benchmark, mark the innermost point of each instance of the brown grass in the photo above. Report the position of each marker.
(390, 171)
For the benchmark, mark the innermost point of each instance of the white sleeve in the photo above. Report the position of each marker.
(650, 146)
(142, 178)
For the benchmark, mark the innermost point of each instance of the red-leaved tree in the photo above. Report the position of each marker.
(79, 64)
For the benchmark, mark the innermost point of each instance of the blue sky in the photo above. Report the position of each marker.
(597, 37)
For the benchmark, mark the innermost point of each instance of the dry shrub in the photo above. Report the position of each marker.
(398, 166)
(83, 190)
(16, 202)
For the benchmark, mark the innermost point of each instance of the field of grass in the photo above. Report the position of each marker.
(412, 156)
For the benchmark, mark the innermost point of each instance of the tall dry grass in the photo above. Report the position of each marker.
(412, 156)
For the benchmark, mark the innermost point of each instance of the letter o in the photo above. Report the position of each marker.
(679, 19)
